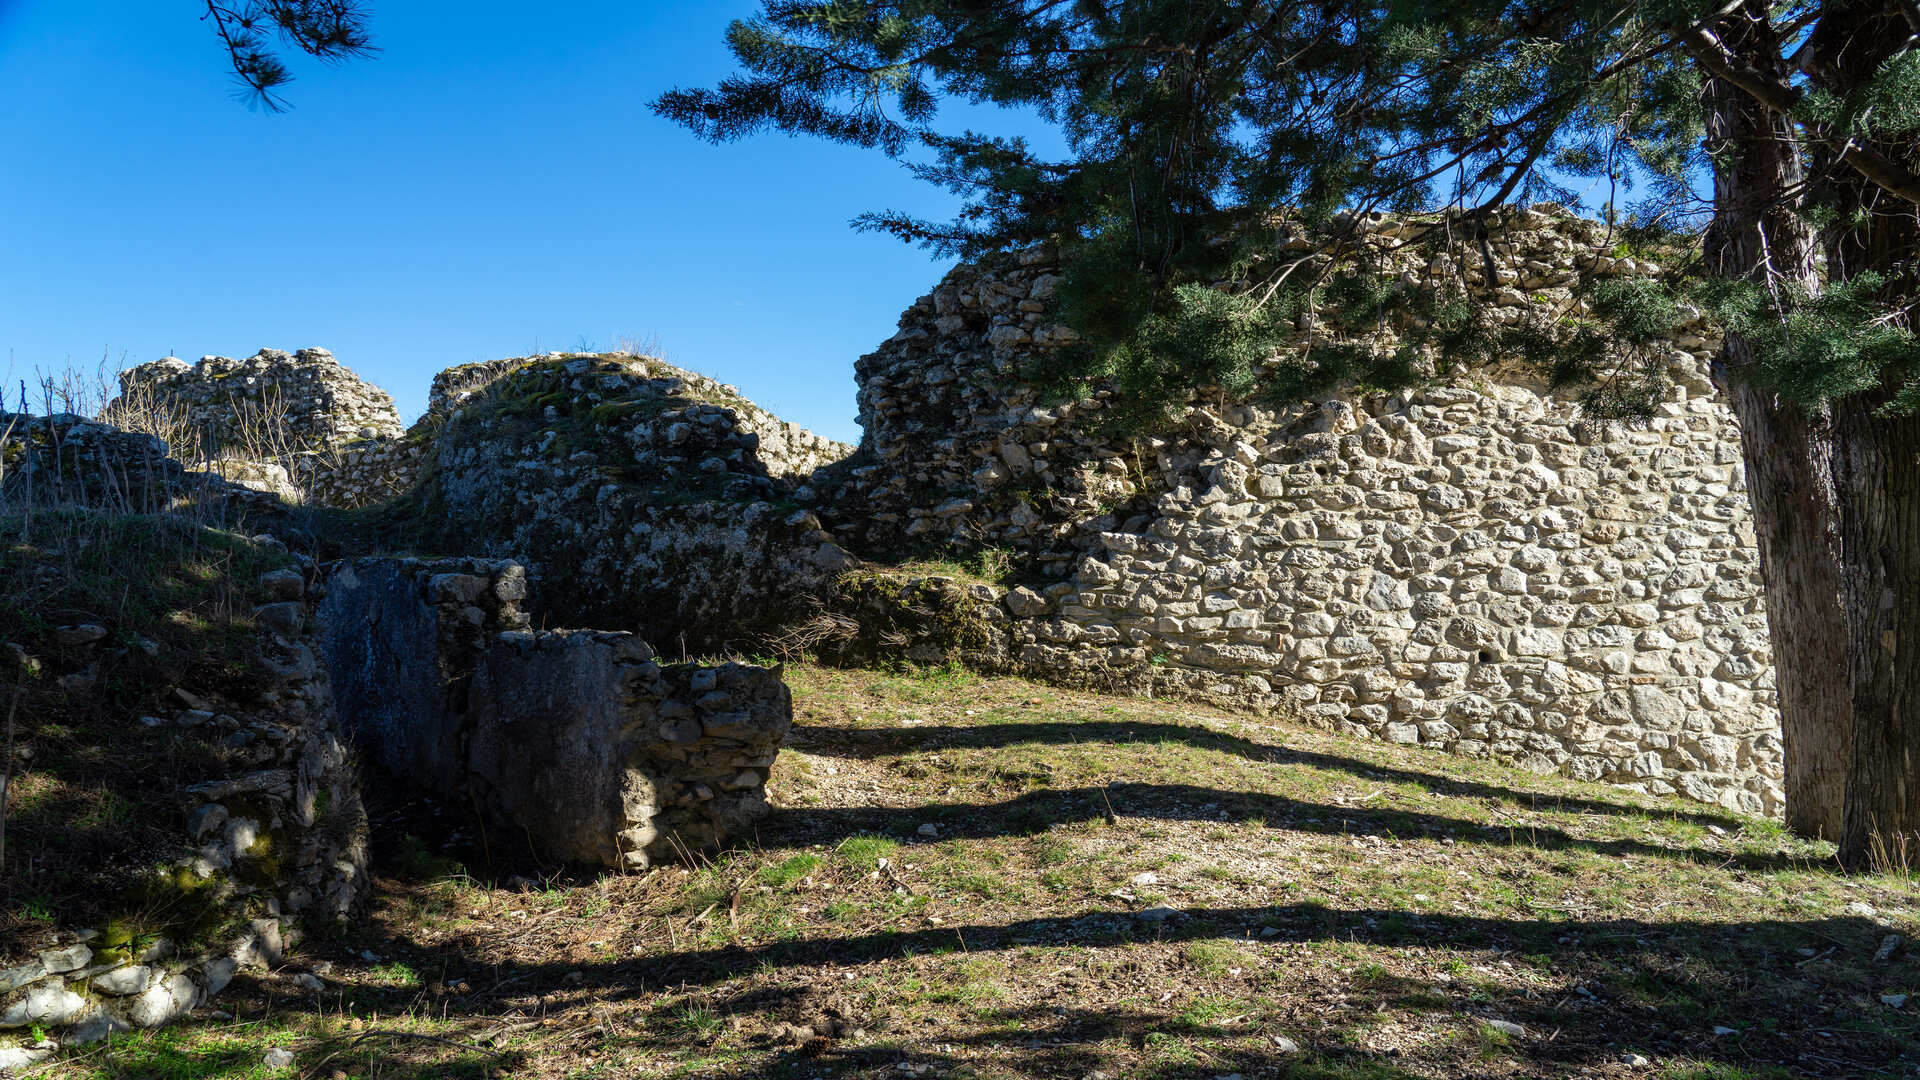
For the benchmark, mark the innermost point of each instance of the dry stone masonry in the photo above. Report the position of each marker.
(1472, 565)
(638, 498)
(308, 394)
(68, 460)
(581, 741)
(785, 450)
(1467, 566)
(278, 842)
(297, 425)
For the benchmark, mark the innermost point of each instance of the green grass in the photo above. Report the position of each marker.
(88, 823)
(1376, 904)
(865, 851)
(788, 872)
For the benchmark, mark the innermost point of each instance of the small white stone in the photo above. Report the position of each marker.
(1508, 1027)
(277, 1058)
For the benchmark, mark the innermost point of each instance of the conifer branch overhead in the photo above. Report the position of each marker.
(330, 31)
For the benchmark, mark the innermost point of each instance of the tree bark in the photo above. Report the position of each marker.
(1758, 234)
(1877, 466)
(1876, 469)
(1835, 490)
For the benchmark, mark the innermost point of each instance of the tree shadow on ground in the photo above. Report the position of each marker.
(1037, 811)
(1658, 988)
(893, 742)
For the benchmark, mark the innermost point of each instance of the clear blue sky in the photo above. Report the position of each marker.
(491, 184)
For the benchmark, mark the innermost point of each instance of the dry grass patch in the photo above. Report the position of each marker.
(985, 878)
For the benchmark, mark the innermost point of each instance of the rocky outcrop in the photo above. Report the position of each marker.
(580, 741)
(1470, 565)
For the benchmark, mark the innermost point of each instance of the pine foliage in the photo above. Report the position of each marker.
(254, 32)
(1191, 124)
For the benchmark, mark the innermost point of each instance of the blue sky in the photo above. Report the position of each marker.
(491, 184)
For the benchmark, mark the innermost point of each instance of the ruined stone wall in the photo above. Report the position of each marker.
(279, 841)
(784, 449)
(68, 460)
(223, 403)
(581, 741)
(297, 426)
(1467, 566)
(635, 503)
(359, 473)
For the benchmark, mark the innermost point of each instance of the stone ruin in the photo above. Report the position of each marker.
(581, 741)
(1471, 565)
(279, 840)
(296, 425)
(314, 402)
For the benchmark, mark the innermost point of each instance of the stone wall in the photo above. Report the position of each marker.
(1467, 566)
(68, 460)
(580, 741)
(297, 426)
(635, 503)
(784, 449)
(314, 401)
(359, 473)
(279, 841)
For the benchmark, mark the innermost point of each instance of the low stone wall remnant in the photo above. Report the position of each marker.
(278, 843)
(580, 741)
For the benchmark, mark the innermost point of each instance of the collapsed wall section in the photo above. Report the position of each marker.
(635, 502)
(272, 401)
(299, 425)
(1472, 565)
(580, 741)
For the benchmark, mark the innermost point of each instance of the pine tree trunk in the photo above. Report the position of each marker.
(1757, 232)
(1877, 463)
(1876, 470)
(1835, 491)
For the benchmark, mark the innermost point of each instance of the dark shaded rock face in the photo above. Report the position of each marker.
(576, 740)
(604, 756)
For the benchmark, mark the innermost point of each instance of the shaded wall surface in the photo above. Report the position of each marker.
(578, 741)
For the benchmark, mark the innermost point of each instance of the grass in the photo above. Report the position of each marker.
(984, 566)
(1012, 943)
